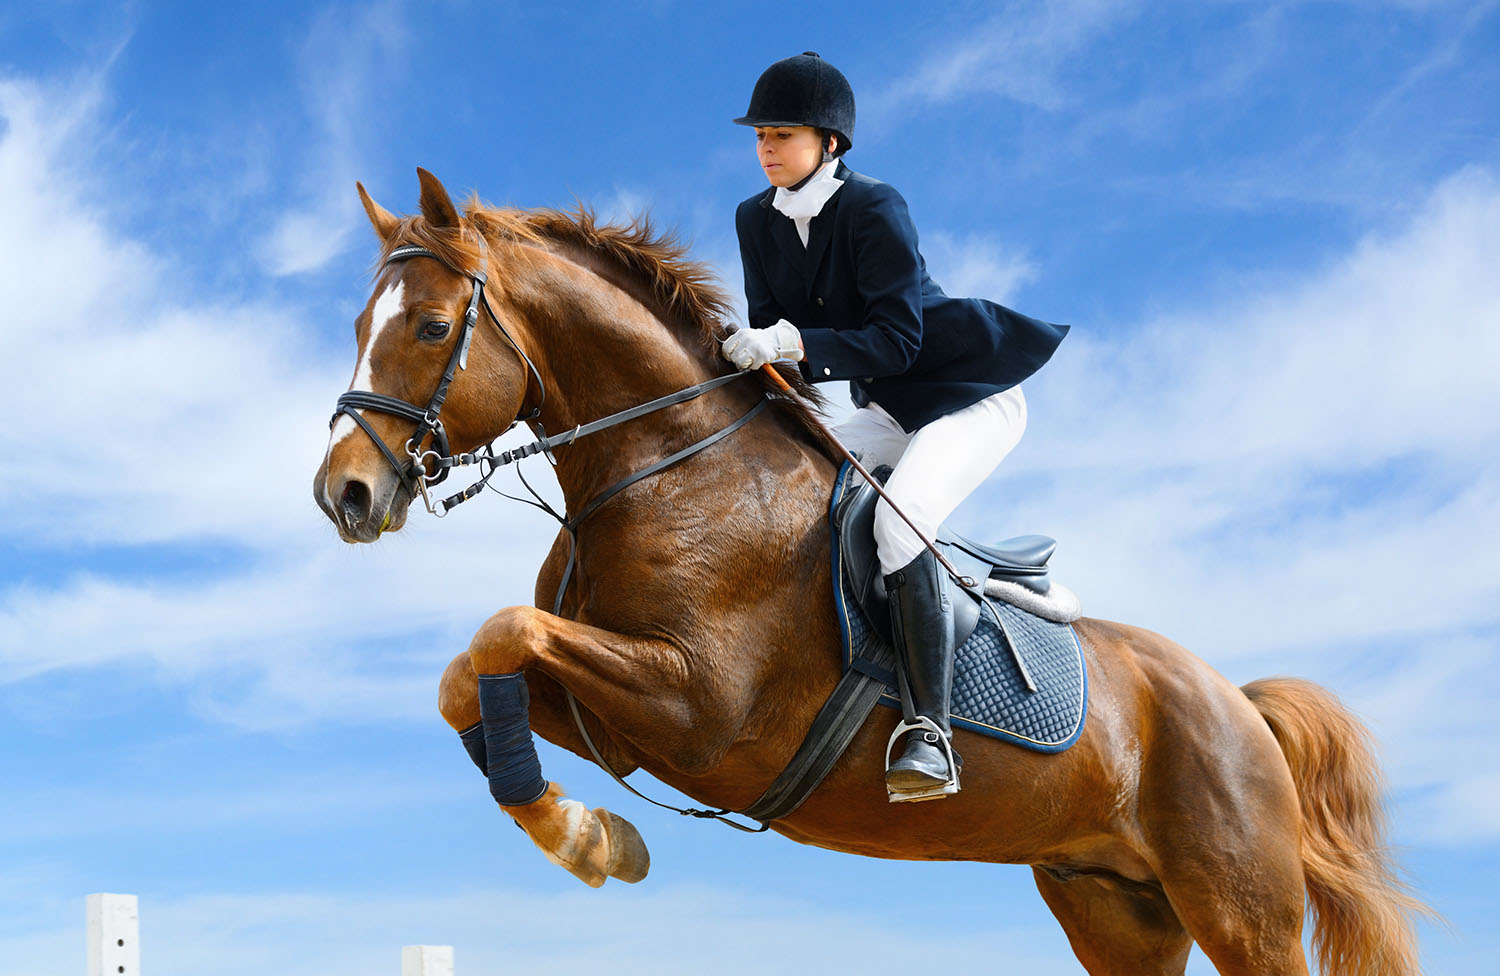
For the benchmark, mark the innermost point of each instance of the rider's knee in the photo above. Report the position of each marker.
(895, 542)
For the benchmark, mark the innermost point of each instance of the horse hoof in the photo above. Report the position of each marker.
(587, 854)
(604, 846)
(592, 846)
(629, 860)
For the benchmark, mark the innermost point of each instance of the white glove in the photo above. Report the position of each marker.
(753, 348)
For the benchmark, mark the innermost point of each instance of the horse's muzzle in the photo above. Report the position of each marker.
(360, 507)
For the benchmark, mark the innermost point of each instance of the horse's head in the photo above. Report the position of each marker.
(435, 374)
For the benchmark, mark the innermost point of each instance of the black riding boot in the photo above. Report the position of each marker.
(922, 625)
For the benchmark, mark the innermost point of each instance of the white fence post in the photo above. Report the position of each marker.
(114, 929)
(424, 960)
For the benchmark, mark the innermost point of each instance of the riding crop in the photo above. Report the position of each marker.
(966, 582)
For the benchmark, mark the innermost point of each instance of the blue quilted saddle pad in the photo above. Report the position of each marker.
(989, 695)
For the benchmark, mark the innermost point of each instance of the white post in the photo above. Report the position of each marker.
(114, 928)
(423, 960)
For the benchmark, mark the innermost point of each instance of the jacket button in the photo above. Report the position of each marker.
(827, 371)
(819, 300)
(868, 379)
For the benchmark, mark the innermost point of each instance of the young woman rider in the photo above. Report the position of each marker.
(834, 281)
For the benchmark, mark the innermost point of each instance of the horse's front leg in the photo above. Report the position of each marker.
(484, 696)
(594, 845)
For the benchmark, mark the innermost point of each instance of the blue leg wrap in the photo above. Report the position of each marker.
(473, 738)
(511, 761)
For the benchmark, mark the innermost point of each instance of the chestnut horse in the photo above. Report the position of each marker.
(698, 634)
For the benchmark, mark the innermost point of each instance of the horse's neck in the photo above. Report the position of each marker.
(759, 496)
(602, 351)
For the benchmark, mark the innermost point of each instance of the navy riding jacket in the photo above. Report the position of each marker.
(868, 312)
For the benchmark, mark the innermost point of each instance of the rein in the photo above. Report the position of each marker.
(489, 462)
(414, 470)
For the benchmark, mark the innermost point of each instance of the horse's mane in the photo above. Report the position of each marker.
(681, 289)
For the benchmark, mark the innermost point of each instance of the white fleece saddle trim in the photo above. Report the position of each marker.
(1060, 604)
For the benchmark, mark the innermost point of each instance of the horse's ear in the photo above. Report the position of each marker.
(436, 206)
(381, 219)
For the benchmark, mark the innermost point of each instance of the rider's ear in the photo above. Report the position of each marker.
(436, 206)
(381, 219)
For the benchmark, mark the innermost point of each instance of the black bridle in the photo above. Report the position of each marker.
(413, 471)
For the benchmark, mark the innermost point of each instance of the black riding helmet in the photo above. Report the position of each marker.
(803, 90)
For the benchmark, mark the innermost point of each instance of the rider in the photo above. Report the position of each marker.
(834, 281)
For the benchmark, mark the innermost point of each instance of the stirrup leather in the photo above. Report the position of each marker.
(922, 724)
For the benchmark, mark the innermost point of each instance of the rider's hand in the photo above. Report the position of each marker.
(753, 348)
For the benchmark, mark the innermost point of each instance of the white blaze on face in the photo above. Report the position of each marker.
(388, 308)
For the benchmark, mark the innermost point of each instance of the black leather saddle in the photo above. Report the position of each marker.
(1021, 560)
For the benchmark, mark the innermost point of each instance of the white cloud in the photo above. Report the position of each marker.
(60, 260)
(1430, 701)
(148, 416)
(624, 205)
(971, 265)
(1101, 87)
(1354, 408)
(1385, 352)
(347, 58)
(314, 616)
(306, 240)
(1021, 53)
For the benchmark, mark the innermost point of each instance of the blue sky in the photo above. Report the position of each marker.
(1273, 435)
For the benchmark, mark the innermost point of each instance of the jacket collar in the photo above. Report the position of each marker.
(811, 195)
(841, 173)
(819, 231)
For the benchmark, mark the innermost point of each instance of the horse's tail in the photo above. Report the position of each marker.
(1362, 911)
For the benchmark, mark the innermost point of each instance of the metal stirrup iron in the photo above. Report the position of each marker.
(925, 725)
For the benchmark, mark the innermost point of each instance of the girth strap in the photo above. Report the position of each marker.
(835, 726)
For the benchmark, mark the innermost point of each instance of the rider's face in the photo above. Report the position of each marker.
(787, 153)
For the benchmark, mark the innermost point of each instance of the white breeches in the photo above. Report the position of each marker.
(935, 468)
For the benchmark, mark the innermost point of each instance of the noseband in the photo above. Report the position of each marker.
(413, 471)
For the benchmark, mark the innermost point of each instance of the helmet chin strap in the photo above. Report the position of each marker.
(803, 182)
(827, 155)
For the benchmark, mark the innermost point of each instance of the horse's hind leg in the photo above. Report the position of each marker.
(1221, 817)
(1116, 927)
(1242, 903)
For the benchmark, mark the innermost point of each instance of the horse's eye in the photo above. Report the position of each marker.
(434, 330)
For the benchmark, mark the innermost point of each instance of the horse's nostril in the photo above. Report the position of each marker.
(356, 502)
